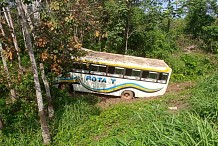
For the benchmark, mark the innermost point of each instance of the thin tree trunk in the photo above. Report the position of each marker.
(48, 93)
(1, 123)
(12, 91)
(127, 29)
(10, 24)
(29, 21)
(35, 10)
(44, 125)
(127, 39)
(169, 19)
(36, 18)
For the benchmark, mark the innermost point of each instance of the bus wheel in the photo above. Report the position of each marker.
(127, 94)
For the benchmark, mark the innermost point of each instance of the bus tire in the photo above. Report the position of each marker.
(127, 94)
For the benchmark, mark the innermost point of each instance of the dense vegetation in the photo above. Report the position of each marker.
(183, 33)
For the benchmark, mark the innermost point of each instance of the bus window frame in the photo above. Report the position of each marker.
(97, 72)
(114, 74)
(131, 76)
(163, 81)
(152, 79)
(77, 70)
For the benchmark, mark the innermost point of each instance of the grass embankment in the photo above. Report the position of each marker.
(78, 121)
(150, 122)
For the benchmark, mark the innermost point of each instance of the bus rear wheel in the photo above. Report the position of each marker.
(127, 94)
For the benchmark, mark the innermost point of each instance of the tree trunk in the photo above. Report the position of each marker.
(10, 24)
(12, 91)
(48, 93)
(127, 39)
(1, 123)
(169, 19)
(36, 18)
(127, 27)
(35, 9)
(44, 125)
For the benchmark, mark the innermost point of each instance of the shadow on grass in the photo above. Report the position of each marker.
(21, 118)
(71, 111)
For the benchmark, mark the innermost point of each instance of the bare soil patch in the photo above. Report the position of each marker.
(175, 88)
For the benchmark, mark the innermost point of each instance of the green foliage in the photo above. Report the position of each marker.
(210, 37)
(184, 129)
(154, 44)
(71, 113)
(21, 126)
(115, 21)
(191, 66)
(205, 99)
(138, 124)
(199, 15)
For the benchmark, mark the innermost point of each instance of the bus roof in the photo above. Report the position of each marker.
(125, 61)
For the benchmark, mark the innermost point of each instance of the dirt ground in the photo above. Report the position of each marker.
(106, 101)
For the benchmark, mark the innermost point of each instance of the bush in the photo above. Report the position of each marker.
(210, 37)
(191, 66)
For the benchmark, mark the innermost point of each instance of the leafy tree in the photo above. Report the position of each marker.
(200, 14)
(28, 43)
(210, 37)
(63, 28)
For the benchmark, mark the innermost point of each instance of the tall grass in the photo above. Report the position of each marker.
(79, 122)
(185, 129)
(205, 98)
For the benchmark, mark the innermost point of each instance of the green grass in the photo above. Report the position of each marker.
(191, 66)
(78, 121)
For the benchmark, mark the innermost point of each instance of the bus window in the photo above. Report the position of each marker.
(144, 75)
(119, 70)
(132, 74)
(98, 69)
(115, 71)
(136, 73)
(85, 68)
(152, 76)
(128, 72)
(77, 67)
(111, 69)
(162, 78)
(94, 68)
(102, 68)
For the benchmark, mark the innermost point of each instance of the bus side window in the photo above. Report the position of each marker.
(98, 69)
(119, 70)
(132, 74)
(93, 68)
(115, 71)
(77, 67)
(111, 69)
(152, 76)
(144, 75)
(85, 68)
(128, 72)
(136, 73)
(102, 68)
(163, 78)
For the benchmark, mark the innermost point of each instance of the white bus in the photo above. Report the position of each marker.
(118, 75)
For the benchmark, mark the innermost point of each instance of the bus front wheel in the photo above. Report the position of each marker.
(127, 94)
